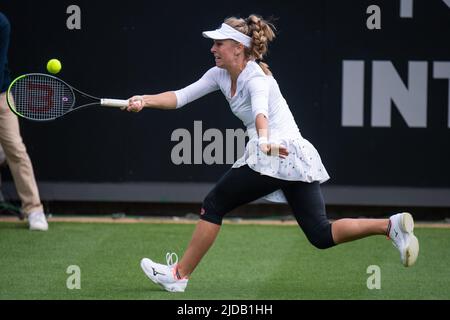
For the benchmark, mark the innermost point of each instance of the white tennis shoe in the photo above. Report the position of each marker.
(37, 221)
(400, 231)
(164, 275)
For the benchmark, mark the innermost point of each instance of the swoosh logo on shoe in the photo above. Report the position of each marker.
(396, 233)
(155, 273)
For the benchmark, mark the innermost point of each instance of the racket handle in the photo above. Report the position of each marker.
(113, 103)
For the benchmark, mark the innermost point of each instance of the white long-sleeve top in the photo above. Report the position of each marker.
(258, 93)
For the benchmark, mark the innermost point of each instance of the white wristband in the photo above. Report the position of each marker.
(262, 140)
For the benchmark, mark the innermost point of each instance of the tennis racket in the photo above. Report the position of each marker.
(41, 97)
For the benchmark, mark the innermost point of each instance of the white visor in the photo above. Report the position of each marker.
(227, 32)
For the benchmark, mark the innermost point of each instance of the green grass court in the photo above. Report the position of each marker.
(247, 262)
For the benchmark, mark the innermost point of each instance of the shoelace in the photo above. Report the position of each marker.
(169, 259)
(173, 264)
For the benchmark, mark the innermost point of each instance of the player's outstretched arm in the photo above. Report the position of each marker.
(165, 100)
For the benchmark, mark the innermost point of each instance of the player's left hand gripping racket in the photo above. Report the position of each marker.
(42, 97)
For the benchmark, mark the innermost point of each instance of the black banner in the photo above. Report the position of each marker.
(367, 82)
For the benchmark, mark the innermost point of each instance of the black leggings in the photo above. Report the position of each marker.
(243, 185)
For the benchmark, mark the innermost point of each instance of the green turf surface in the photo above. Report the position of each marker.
(246, 262)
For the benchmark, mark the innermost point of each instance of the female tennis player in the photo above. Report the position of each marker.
(278, 162)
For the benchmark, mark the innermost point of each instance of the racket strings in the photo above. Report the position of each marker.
(41, 97)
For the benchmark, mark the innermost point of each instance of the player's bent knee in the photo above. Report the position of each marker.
(321, 237)
(209, 211)
(319, 244)
(212, 218)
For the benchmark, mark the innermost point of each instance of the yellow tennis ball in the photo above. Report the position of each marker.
(54, 66)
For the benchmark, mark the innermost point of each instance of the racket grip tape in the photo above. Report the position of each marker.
(113, 103)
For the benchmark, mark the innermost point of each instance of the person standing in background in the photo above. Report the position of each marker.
(11, 140)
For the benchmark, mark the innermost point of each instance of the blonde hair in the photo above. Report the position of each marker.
(261, 32)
